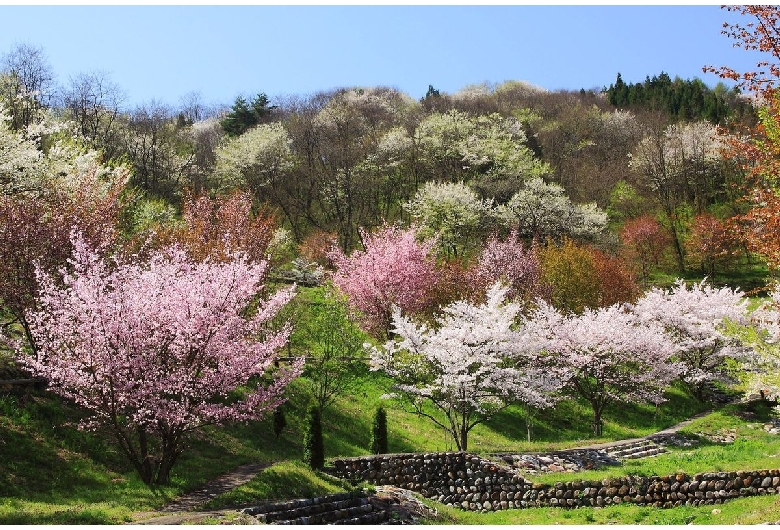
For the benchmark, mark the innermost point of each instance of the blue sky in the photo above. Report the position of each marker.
(164, 52)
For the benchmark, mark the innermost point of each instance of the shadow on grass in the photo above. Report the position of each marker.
(281, 481)
(570, 421)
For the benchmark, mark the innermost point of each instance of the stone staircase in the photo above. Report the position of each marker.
(636, 449)
(339, 508)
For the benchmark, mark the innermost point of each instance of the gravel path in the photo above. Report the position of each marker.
(670, 430)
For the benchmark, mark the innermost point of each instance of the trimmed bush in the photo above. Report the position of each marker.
(280, 422)
(313, 445)
(379, 432)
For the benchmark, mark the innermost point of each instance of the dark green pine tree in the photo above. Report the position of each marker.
(280, 422)
(313, 444)
(244, 115)
(379, 432)
(617, 94)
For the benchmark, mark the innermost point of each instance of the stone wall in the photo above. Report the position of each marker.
(474, 483)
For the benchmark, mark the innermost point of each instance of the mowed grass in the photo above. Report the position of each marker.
(750, 510)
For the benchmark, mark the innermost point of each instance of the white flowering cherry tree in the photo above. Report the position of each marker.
(541, 210)
(472, 364)
(695, 320)
(604, 355)
(451, 212)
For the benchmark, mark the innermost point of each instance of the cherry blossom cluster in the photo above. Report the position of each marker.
(159, 347)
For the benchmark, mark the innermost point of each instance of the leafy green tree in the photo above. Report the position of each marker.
(570, 270)
(333, 347)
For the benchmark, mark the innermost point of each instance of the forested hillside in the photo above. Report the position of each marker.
(501, 246)
(334, 162)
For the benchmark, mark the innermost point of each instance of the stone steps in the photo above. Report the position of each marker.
(339, 508)
(633, 450)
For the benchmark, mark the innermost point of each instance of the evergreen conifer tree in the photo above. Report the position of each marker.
(313, 445)
(280, 422)
(379, 432)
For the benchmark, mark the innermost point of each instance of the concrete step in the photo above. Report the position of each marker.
(644, 454)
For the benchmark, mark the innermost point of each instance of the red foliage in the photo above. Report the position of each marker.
(758, 150)
(583, 277)
(215, 227)
(35, 231)
(617, 281)
(709, 245)
(315, 246)
(644, 242)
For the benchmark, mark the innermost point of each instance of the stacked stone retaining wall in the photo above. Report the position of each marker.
(474, 483)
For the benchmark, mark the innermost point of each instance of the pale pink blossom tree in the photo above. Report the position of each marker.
(467, 368)
(759, 369)
(154, 350)
(694, 319)
(395, 269)
(510, 261)
(604, 355)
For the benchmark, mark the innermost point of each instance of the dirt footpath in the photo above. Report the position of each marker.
(182, 509)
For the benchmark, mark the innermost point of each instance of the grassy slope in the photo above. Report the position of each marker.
(52, 473)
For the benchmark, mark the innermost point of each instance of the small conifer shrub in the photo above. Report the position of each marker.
(313, 445)
(379, 432)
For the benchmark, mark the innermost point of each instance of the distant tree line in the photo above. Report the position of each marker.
(688, 99)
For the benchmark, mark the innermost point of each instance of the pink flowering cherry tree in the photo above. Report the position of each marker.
(467, 368)
(695, 320)
(395, 269)
(154, 350)
(509, 260)
(604, 355)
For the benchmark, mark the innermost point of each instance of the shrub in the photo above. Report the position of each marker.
(280, 422)
(379, 432)
(313, 445)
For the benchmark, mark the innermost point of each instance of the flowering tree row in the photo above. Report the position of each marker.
(400, 267)
(504, 339)
(476, 359)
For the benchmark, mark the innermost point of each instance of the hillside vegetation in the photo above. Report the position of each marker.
(504, 268)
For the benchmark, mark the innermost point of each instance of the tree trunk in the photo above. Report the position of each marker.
(597, 426)
(144, 466)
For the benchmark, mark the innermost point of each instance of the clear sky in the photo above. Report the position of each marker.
(164, 52)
